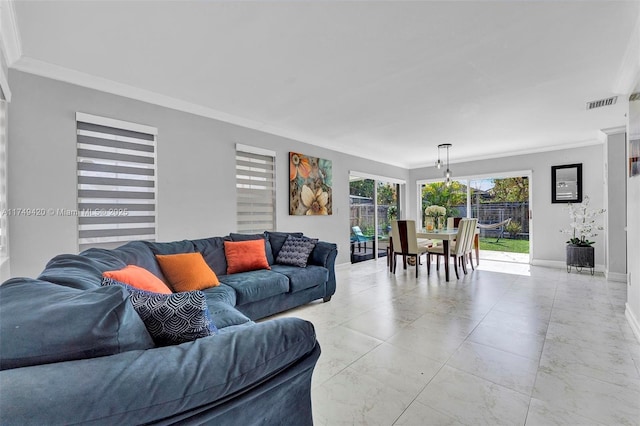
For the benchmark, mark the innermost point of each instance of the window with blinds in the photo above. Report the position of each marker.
(116, 182)
(255, 187)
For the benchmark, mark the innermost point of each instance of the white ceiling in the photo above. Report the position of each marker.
(387, 80)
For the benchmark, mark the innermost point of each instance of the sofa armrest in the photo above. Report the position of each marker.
(147, 386)
(324, 254)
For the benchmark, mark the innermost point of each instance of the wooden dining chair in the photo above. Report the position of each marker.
(457, 248)
(405, 243)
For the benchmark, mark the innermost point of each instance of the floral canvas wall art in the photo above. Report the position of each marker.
(309, 185)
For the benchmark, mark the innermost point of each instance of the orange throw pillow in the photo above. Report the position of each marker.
(244, 256)
(139, 278)
(187, 271)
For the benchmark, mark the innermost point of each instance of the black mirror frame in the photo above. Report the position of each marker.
(578, 167)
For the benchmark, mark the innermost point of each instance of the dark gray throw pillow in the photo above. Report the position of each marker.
(296, 250)
(171, 319)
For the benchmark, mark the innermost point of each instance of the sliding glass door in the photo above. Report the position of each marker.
(501, 204)
(373, 203)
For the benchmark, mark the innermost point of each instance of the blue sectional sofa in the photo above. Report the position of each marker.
(73, 351)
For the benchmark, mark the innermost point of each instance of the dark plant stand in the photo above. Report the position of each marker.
(580, 257)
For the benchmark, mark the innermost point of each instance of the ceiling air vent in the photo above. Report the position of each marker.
(634, 97)
(602, 102)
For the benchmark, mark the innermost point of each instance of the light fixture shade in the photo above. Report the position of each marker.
(439, 163)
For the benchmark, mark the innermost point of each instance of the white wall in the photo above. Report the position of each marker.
(633, 228)
(5, 269)
(546, 219)
(616, 197)
(196, 171)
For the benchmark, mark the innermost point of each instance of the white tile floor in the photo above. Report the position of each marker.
(534, 346)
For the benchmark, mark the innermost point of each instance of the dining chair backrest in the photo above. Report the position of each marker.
(464, 238)
(405, 239)
(466, 233)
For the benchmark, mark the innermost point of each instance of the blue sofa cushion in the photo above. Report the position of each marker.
(138, 253)
(295, 251)
(221, 293)
(167, 385)
(277, 239)
(256, 285)
(302, 278)
(246, 237)
(225, 316)
(79, 271)
(42, 323)
(212, 249)
(171, 319)
(174, 247)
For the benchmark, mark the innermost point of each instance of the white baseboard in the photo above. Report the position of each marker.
(549, 263)
(560, 264)
(633, 321)
(615, 276)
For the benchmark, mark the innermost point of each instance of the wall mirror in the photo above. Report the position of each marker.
(566, 183)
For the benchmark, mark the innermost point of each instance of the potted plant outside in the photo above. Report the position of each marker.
(579, 251)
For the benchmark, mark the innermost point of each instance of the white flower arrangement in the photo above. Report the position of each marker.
(435, 211)
(583, 223)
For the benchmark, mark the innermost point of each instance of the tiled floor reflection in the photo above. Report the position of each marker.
(504, 345)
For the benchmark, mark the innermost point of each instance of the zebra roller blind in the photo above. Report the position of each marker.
(116, 182)
(255, 187)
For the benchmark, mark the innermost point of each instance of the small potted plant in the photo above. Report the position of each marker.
(580, 251)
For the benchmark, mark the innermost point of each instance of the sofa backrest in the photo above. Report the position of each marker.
(81, 271)
(84, 271)
(42, 322)
(212, 250)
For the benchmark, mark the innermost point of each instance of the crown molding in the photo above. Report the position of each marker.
(579, 144)
(614, 130)
(11, 44)
(67, 75)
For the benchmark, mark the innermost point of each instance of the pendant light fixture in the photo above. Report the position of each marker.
(447, 173)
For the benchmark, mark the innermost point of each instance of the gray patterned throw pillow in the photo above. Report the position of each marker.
(296, 251)
(171, 319)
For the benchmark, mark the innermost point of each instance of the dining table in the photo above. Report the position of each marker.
(447, 235)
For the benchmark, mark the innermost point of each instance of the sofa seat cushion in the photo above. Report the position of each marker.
(256, 285)
(302, 278)
(221, 293)
(225, 316)
(41, 323)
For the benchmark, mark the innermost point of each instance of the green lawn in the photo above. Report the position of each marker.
(508, 245)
